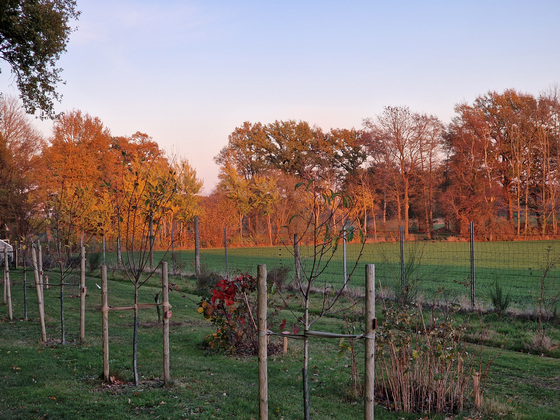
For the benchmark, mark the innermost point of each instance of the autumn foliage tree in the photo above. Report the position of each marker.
(404, 144)
(188, 187)
(148, 198)
(20, 145)
(74, 165)
(472, 193)
(503, 157)
(262, 163)
(495, 161)
(115, 187)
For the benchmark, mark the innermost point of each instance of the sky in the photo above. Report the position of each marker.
(187, 73)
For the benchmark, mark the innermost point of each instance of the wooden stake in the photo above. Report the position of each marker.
(371, 322)
(262, 341)
(476, 391)
(62, 319)
(196, 248)
(16, 255)
(166, 317)
(7, 284)
(285, 349)
(83, 292)
(40, 260)
(39, 287)
(105, 322)
(25, 318)
(5, 297)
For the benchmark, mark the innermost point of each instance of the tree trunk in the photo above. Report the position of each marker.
(406, 206)
(518, 213)
(240, 227)
(151, 242)
(384, 209)
(509, 207)
(374, 222)
(399, 209)
(119, 251)
(270, 229)
(427, 215)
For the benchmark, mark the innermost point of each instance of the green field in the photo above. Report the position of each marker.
(55, 381)
(435, 268)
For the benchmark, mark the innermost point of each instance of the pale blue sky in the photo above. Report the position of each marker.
(188, 72)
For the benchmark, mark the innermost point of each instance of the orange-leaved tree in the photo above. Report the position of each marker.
(74, 166)
(143, 199)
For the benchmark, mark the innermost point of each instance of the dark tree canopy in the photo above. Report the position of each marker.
(33, 35)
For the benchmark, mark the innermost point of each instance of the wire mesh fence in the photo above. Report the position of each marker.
(453, 271)
(428, 270)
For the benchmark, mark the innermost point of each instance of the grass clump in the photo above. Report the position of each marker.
(94, 261)
(278, 277)
(500, 300)
(206, 282)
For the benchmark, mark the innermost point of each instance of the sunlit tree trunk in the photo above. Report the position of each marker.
(374, 220)
(406, 206)
(241, 227)
(384, 209)
(365, 221)
(269, 229)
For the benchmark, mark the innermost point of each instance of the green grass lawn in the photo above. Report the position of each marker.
(55, 381)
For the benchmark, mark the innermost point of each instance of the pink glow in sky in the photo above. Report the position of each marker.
(188, 72)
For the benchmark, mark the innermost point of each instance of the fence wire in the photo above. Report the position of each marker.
(429, 270)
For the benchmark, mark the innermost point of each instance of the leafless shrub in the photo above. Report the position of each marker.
(425, 367)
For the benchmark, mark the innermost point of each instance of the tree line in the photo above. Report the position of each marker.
(495, 163)
(84, 184)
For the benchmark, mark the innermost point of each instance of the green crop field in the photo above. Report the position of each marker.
(54, 381)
